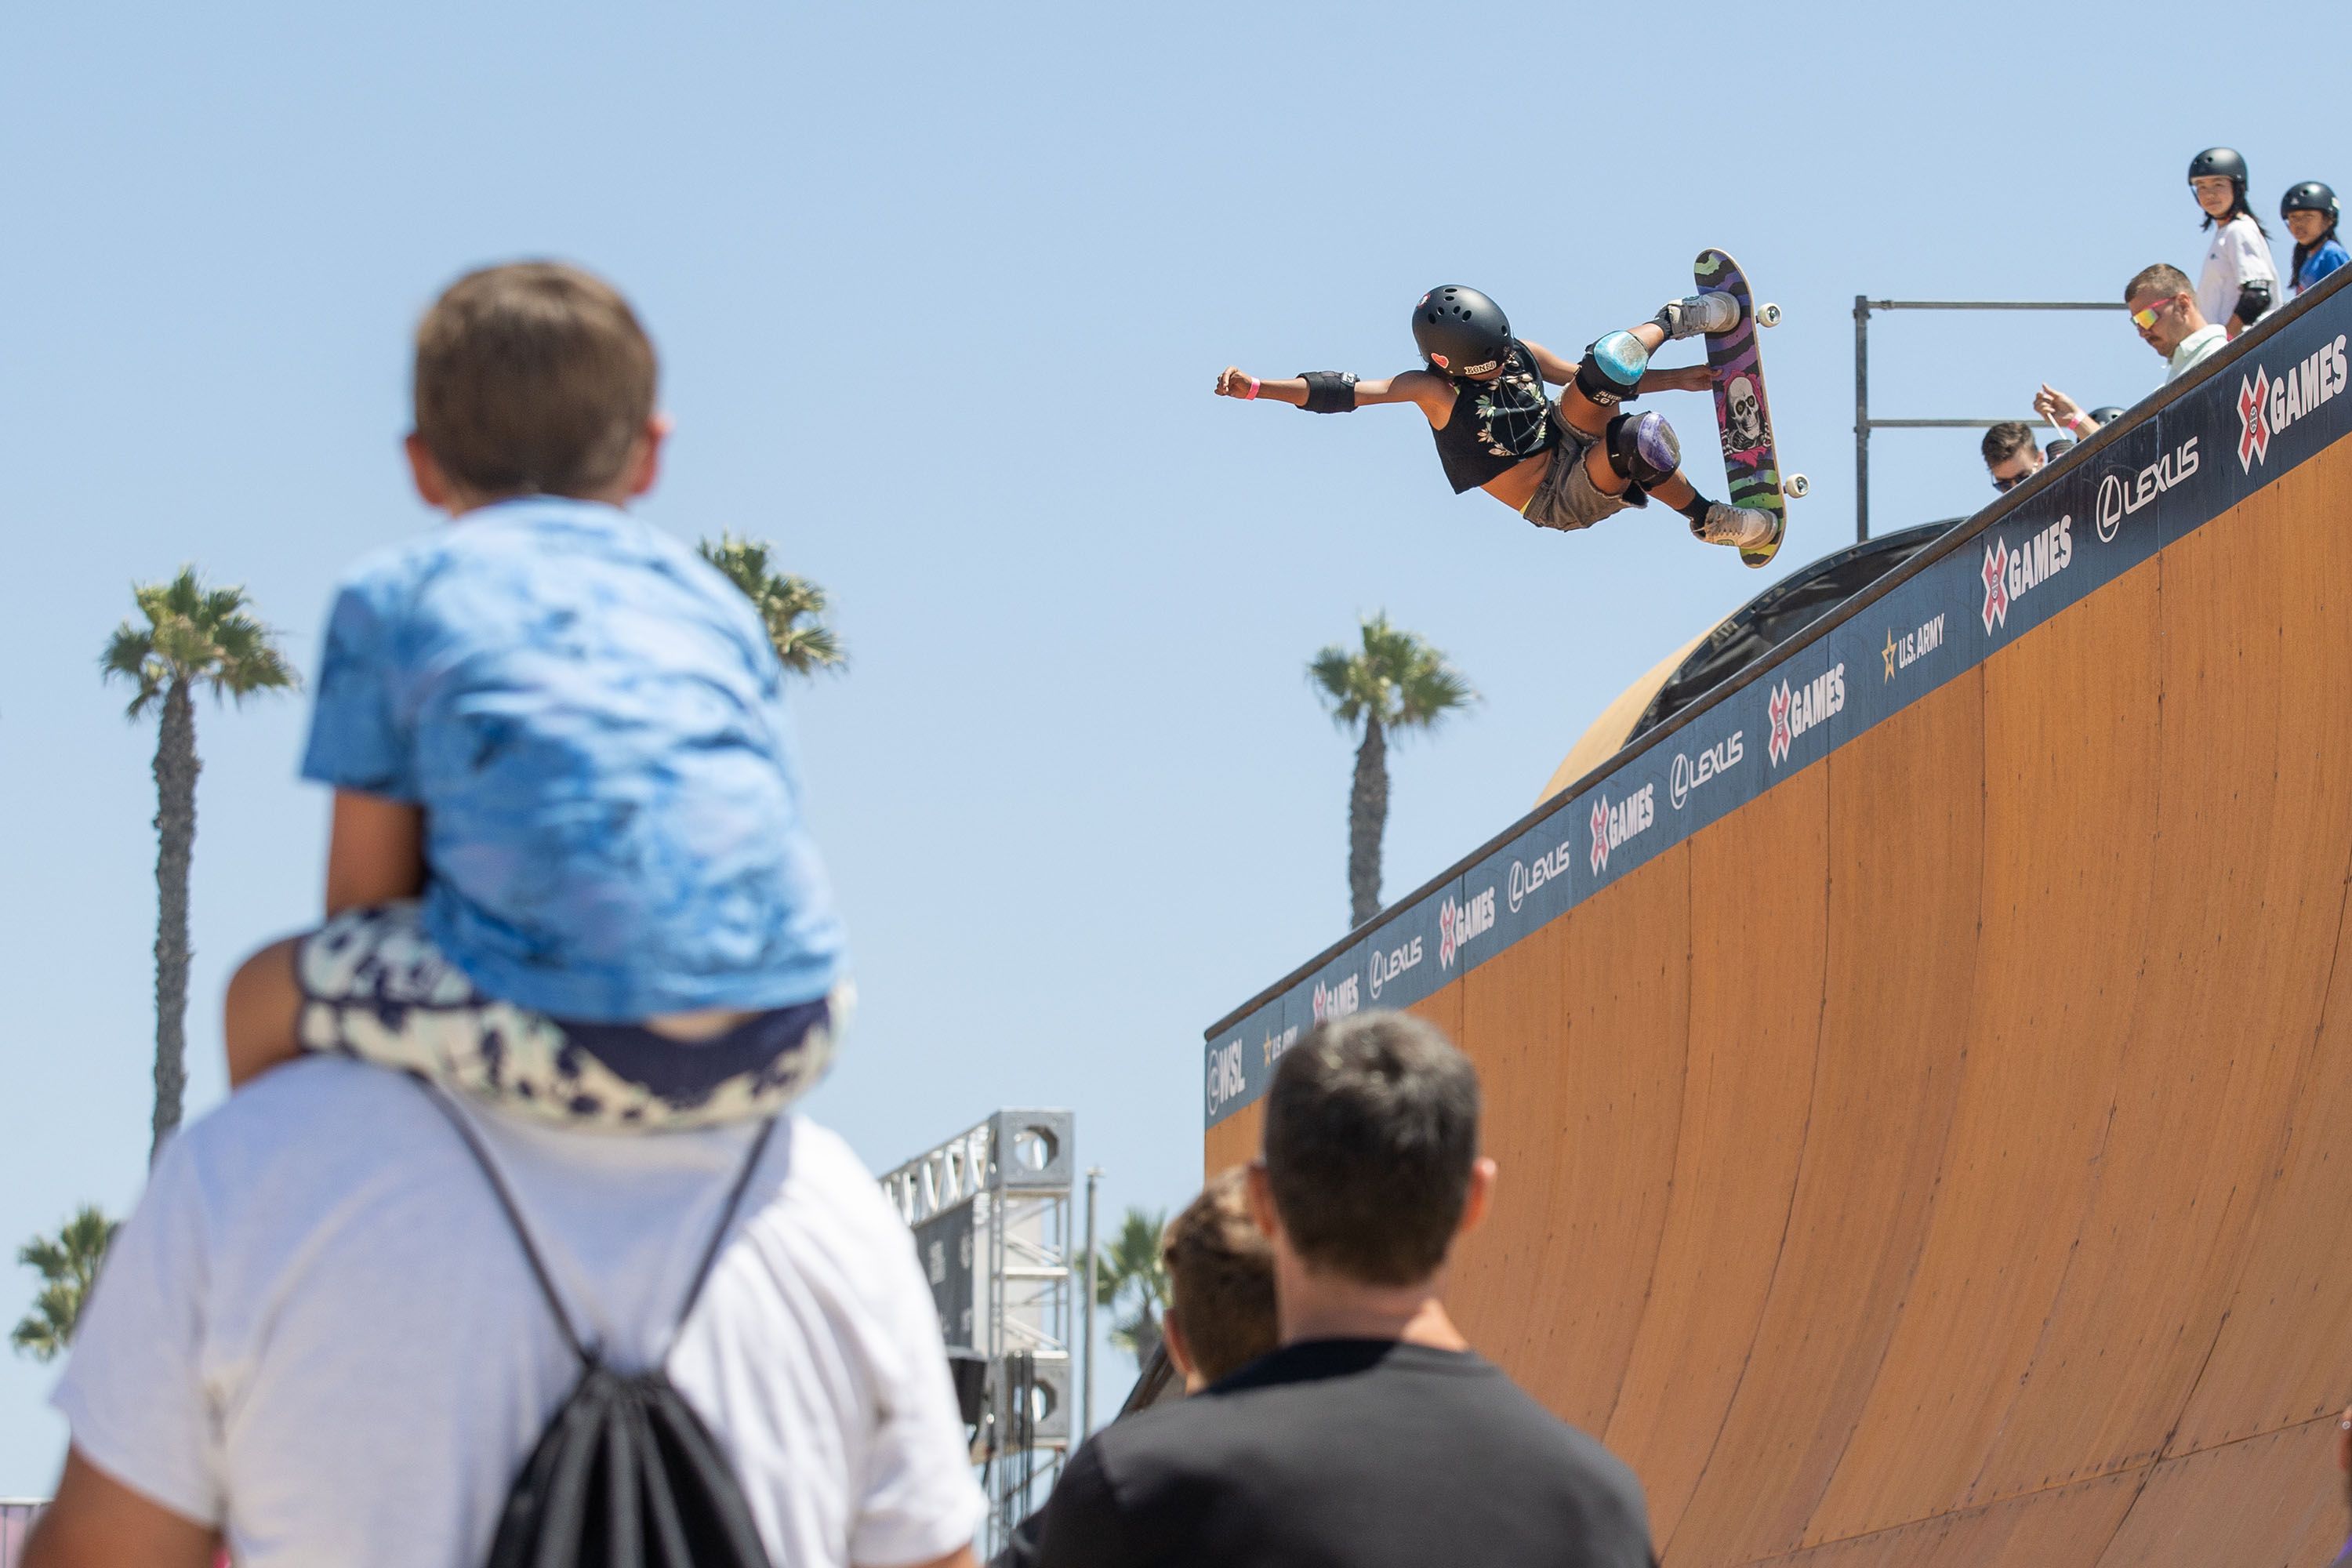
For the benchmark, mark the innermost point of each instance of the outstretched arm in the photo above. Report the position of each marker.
(1418, 386)
(1688, 378)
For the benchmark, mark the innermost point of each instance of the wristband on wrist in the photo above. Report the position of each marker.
(1251, 396)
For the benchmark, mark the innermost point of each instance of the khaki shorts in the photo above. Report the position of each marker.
(1567, 498)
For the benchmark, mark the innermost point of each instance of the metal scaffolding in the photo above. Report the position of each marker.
(991, 1209)
(1864, 423)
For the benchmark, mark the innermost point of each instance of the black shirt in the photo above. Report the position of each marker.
(1496, 424)
(1351, 1453)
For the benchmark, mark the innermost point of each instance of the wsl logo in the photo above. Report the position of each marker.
(1527, 876)
(1460, 924)
(1796, 711)
(1225, 1082)
(2266, 407)
(1337, 1001)
(2011, 574)
(1614, 823)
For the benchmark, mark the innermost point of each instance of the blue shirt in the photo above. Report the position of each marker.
(2329, 255)
(593, 720)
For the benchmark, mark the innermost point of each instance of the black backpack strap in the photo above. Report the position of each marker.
(726, 1221)
(587, 1355)
(473, 1142)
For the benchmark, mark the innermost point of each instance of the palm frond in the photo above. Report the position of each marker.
(196, 635)
(1393, 677)
(791, 608)
(68, 1265)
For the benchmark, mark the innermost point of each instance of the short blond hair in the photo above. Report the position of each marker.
(2163, 277)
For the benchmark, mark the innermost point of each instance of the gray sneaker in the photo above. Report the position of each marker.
(1709, 312)
(1745, 528)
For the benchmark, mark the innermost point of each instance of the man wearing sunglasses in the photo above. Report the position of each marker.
(2010, 457)
(2163, 306)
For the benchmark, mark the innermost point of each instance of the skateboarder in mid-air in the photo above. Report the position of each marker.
(1563, 465)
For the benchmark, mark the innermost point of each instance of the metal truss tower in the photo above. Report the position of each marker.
(991, 1209)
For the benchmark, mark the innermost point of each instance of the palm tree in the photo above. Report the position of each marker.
(1394, 682)
(782, 600)
(68, 1263)
(1131, 1281)
(195, 636)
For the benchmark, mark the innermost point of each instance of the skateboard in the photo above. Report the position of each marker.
(1750, 461)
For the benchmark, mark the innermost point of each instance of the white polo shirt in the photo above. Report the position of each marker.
(319, 1332)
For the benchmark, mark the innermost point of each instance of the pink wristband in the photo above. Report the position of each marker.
(1253, 390)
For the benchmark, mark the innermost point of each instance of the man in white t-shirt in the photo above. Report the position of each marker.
(2163, 312)
(317, 1340)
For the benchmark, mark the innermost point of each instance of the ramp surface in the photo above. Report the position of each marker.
(1922, 1077)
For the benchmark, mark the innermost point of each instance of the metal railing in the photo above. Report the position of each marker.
(1864, 423)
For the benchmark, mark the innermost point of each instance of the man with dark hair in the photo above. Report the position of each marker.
(2165, 314)
(1375, 1435)
(2010, 457)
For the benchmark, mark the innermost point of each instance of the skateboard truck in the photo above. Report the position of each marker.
(1795, 485)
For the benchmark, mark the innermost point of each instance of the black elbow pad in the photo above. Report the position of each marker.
(1329, 392)
(2253, 299)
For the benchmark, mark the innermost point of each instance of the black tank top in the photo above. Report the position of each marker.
(1496, 424)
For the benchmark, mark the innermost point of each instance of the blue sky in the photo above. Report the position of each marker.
(941, 292)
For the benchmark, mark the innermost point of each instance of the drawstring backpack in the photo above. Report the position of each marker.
(626, 1474)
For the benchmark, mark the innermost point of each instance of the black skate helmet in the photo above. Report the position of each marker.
(2106, 414)
(1460, 331)
(2224, 161)
(2310, 196)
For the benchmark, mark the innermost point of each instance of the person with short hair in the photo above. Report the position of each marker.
(2309, 211)
(568, 867)
(2165, 314)
(317, 1340)
(2011, 456)
(2240, 281)
(1375, 1435)
(1221, 1311)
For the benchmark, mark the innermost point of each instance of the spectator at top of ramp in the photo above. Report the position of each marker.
(2310, 211)
(2011, 456)
(2239, 281)
(1375, 1435)
(2166, 314)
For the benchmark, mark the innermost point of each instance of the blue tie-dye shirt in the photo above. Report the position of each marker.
(593, 720)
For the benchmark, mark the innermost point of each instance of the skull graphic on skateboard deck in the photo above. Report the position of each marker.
(1750, 461)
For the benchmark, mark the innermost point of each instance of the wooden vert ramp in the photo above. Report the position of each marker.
(1941, 1153)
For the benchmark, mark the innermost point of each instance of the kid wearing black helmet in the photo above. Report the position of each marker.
(1564, 464)
(2240, 281)
(2309, 211)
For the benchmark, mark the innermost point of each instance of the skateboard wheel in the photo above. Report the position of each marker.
(1768, 315)
(1795, 486)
